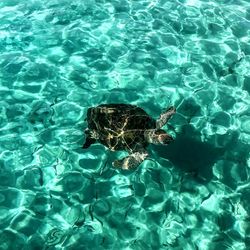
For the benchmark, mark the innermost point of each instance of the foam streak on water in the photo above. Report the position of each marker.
(58, 58)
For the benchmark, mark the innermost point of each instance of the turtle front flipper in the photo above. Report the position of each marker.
(165, 116)
(131, 161)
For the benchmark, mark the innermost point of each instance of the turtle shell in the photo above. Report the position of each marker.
(120, 126)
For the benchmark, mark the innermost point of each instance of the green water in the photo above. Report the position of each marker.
(58, 58)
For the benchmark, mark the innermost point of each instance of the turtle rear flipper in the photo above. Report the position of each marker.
(165, 116)
(91, 138)
(88, 142)
(131, 161)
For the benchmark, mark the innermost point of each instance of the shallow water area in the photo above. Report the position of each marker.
(58, 58)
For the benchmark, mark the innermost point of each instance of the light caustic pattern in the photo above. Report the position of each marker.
(58, 58)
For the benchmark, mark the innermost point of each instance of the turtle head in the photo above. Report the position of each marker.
(158, 136)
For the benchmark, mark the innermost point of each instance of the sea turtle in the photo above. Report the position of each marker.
(126, 127)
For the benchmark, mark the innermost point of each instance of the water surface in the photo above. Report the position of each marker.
(58, 58)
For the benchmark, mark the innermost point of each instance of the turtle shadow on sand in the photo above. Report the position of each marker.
(189, 154)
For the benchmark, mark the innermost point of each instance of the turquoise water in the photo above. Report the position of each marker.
(58, 58)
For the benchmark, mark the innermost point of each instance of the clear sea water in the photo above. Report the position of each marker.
(60, 57)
